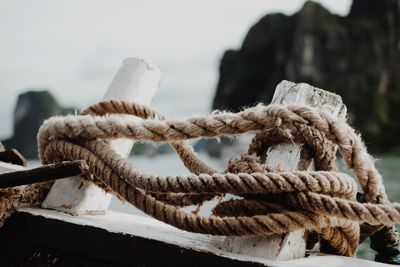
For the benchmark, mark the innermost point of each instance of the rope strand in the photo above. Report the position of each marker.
(271, 201)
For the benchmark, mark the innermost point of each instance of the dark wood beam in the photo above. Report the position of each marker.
(45, 173)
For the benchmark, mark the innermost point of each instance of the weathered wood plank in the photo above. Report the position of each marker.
(137, 80)
(45, 173)
(11, 156)
(8, 167)
(131, 240)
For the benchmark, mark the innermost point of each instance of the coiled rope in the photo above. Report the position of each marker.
(272, 201)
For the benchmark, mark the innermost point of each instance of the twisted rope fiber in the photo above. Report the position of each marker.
(323, 201)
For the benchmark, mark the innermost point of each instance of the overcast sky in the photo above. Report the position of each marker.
(74, 47)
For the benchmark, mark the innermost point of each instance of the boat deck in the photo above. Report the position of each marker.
(37, 237)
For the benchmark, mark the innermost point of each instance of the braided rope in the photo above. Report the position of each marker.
(272, 201)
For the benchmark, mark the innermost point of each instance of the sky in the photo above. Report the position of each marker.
(74, 47)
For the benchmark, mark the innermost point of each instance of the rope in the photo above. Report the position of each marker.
(271, 201)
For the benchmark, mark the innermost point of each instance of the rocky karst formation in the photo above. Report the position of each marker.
(356, 56)
(32, 109)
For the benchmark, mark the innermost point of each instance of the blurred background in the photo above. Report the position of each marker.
(58, 57)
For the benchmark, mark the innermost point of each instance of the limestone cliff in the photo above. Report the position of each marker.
(356, 56)
(34, 107)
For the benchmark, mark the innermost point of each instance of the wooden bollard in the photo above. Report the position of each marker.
(137, 80)
(288, 157)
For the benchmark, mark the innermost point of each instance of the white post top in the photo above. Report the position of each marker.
(137, 80)
(287, 93)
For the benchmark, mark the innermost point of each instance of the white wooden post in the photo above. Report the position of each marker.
(287, 156)
(136, 80)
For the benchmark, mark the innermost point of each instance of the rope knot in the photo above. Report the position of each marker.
(247, 164)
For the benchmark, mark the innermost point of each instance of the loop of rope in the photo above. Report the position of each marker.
(272, 201)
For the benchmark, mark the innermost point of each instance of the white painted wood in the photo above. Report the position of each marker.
(7, 167)
(144, 227)
(286, 157)
(287, 93)
(136, 80)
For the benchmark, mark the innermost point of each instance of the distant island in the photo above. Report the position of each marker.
(356, 56)
(33, 107)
